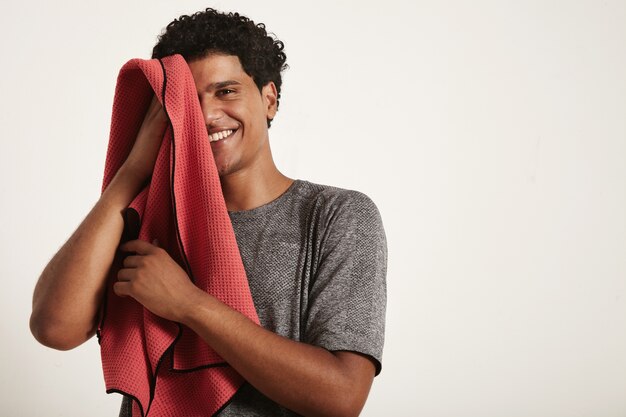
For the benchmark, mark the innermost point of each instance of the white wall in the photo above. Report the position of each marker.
(492, 136)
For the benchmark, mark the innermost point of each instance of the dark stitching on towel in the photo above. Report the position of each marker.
(170, 349)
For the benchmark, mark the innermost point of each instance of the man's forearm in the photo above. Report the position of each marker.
(69, 291)
(307, 379)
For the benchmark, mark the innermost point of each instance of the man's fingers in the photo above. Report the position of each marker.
(122, 288)
(132, 261)
(125, 274)
(139, 246)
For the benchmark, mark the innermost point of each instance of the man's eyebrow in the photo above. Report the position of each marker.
(221, 84)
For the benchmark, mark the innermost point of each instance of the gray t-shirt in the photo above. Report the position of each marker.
(316, 260)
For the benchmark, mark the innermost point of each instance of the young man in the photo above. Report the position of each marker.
(315, 255)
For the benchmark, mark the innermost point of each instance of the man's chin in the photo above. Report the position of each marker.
(224, 170)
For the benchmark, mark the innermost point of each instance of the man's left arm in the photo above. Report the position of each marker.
(307, 379)
(304, 377)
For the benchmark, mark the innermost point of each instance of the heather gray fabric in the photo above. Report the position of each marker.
(316, 260)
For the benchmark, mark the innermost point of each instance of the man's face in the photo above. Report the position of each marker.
(235, 112)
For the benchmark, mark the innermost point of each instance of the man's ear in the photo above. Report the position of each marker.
(270, 98)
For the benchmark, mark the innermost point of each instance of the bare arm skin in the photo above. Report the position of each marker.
(68, 293)
(307, 379)
(67, 296)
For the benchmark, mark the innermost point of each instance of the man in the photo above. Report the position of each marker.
(315, 255)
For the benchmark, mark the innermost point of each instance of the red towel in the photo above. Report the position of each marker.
(164, 366)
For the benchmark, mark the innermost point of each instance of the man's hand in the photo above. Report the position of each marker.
(139, 164)
(155, 280)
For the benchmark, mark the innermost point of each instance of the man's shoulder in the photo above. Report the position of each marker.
(334, 197)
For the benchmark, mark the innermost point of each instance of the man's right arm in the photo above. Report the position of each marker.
(67, 297)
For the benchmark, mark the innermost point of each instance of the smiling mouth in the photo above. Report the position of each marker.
(221, 135)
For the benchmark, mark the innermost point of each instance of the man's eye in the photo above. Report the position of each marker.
(225, 91)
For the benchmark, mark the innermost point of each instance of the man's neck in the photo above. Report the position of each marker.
(253, 188)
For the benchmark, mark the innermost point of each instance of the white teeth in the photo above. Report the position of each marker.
(220, 135)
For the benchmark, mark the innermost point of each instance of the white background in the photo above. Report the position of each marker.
(491, 135)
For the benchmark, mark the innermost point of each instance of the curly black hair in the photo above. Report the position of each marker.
(209, 31)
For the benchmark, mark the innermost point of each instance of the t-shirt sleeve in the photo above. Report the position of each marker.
(347, 292)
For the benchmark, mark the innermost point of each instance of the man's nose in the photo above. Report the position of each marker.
(211, 111)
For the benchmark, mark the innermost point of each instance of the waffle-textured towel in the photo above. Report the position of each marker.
(165, 367)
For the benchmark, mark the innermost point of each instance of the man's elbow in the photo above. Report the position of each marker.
(345, 407)
(353, 386)
(347, 400)
(53, 335)
(351, 406)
